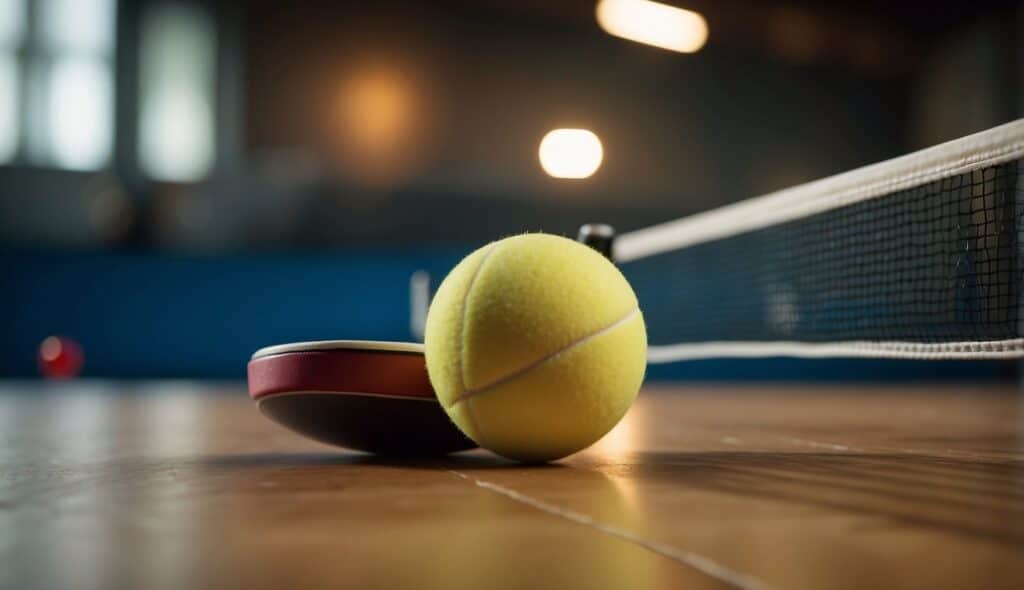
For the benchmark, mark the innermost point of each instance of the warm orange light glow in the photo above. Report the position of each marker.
(570, 153)
(377, 109)
(653, 23)
(381, 124)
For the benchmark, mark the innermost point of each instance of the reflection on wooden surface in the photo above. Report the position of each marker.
(174, 486)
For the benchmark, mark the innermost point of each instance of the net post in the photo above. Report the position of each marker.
(599, 236)
(419, 303)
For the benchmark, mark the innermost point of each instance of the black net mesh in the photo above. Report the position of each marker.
(940, 262)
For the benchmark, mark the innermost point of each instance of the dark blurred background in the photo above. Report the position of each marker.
(182, 182)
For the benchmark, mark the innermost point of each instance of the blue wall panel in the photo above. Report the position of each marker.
(150, 315)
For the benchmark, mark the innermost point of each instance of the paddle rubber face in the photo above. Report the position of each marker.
(369, 396)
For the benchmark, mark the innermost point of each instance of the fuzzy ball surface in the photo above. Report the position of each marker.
(536, 346)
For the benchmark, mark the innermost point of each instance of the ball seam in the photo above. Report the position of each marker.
(462, 342)
(469, 394)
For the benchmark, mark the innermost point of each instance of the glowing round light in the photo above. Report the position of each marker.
(653, 23)
(570, 153)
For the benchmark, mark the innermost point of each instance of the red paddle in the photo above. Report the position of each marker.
(363, 395)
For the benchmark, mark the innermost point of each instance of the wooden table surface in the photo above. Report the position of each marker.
(174, 485)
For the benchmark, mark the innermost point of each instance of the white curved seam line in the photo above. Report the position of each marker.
(462, 340)
(992, 349)
(877, 180)
(462, 313)
(478, 434)
(703, 564)
(471, 393)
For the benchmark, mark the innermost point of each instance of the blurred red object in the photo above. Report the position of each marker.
(60, 358)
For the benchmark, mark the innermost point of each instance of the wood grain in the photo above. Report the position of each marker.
(177, 485)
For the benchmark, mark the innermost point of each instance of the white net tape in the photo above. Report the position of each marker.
(917, 257)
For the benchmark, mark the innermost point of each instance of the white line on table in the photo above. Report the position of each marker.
(698, 562)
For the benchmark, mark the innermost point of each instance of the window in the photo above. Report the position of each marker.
(57, 86)
(176, 127)
(12, 34)
(77, 38)
(56, 82)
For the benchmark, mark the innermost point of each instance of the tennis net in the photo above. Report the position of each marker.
(916, 257)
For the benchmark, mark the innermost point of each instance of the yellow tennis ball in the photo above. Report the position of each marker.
(535, 346)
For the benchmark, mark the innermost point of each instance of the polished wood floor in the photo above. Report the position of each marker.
(177, 486)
